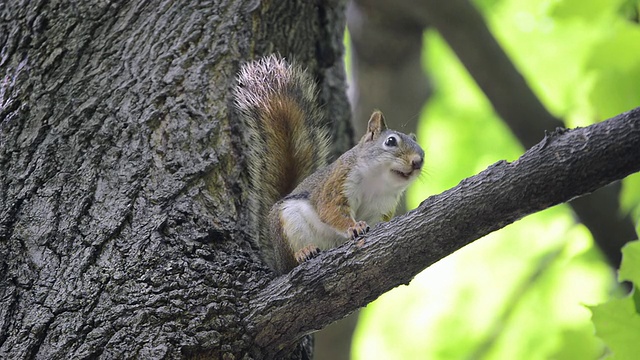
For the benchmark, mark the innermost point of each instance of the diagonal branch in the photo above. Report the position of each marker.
(564, 165)
(464, 29)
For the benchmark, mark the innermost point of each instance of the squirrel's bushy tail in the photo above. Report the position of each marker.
(287, 137)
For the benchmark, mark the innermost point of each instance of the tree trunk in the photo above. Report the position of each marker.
(122, 225)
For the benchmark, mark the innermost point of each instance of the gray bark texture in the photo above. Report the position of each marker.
(122, 218)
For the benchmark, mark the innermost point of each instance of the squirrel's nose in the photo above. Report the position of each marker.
(416, 162)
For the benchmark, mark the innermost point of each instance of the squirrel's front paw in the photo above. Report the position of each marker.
(360, 228)
(306, 253)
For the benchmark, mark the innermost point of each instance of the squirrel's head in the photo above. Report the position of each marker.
(394, 151)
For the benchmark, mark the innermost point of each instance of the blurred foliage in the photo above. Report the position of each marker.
(522, 292)
(617, 321)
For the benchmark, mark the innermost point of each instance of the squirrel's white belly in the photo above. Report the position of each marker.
(371, 210)
(302, 226)
(375, 196)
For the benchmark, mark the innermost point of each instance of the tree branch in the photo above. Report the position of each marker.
(464, 29)
(564, 165)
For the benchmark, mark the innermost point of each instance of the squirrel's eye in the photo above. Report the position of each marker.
(391, 141)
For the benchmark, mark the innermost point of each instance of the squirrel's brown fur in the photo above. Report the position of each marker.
(278, 103)
(299, 205)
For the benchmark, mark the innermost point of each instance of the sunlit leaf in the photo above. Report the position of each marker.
(618, 324)
(630, 267)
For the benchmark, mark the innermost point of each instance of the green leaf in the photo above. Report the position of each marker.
(617, 321)
(618, 324)
(630, 266)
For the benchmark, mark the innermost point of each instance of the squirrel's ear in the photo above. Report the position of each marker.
(376, 126)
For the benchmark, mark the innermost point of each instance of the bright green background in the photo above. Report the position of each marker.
(523, 292)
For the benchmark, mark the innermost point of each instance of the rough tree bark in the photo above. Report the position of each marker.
(120, 155)
(121, 174)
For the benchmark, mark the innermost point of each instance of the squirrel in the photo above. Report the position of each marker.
(299, 204)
